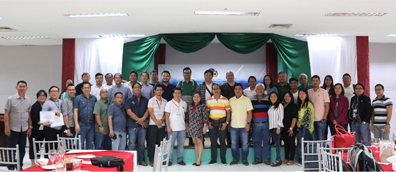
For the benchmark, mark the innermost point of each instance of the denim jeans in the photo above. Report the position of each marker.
(277, 141)
(302, 133)
(362, 130)
(87, 132)
(137, 134)
(236, 134)
(102, 141)
(12, 140)
(120, 142)
(319, 130)
(180, 136)
(261, 135)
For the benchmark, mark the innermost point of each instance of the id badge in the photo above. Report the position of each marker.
(354, 113)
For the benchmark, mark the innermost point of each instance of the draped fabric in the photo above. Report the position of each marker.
(243, 43)
(363, 62)
(159, 57)
(68, 57)
(271, 61)
(188, 42)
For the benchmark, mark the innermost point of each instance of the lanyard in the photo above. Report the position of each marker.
(57, 104)
(159, 104)
(176, 105)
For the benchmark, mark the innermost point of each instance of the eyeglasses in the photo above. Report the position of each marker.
(358, 88)
(71, 90)
(54, 92)
(104, 92)
(346, 78)
(86, 88)
(216, 88)
(187, 73)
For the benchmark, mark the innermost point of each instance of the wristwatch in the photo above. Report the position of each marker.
(290, 128)
(30, 126)
(227, 122)
(388, 123)
(249, 123)
(67, 128)
(100, 125)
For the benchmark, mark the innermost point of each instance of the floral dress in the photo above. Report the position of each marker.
(196, 117)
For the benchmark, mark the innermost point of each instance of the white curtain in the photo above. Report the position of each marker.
(97, 55)
(333, 56)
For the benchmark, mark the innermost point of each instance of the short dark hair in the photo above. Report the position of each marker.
(208, 71)
(69, 86)
(85, 73)
(315, 76)
(41, 91)
(165, 71)
(133, 85)
(148, 76)
(238, 84)
(86, 83)
(117, 74)
(200, 98)
(154, 71)
(117, 94)
(109, 74)
(214, 85)
(69, 79)
(21, 82)
(293, 79)
(98, 74)
(187, 68)
(250, 77)
(346, 74)
(357, 85)
(158, 85)
(49, 90)
(134, 73)
(380, 86)
(177, 88)
(342, 88)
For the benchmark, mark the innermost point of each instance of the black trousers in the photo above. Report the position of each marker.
(290, 145)
(38, 135)
(50, 134)
(215, 133)
(155, 136)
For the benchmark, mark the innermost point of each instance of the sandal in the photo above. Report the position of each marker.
(285, 161)
(276, 163)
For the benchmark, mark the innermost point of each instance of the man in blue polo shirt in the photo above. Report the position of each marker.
(137, 111)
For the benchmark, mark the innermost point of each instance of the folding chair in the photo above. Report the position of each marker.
(7, 156)
(341, 153)
(311, 149)
(71, 143)
(161, 155)
(42, 147)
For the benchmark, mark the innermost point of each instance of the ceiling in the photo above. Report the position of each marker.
(151, 17)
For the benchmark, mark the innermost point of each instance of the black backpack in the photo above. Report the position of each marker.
(362, 159)
(109, 161)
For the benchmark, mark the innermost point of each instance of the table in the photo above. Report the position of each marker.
(128, 156)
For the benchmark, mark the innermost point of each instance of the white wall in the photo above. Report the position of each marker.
(382, 71)
(39, 66)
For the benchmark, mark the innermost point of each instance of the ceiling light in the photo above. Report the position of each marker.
(25, 37)
(391, 35)
(118, 36)
(280, 26)
(319, 35)
(355, 14)
(230, 13)
(7, 29)
(96, 15)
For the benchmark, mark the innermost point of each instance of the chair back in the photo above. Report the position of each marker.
(10, 156)
(42, 147)
(311, 154)
(71, 143)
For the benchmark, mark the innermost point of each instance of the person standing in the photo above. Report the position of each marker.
(219, 118)
(17, 121)
(154, 77)
(251, 92)
(37, 130)
(382, 114)
(329, 87)
(305, 122)
(85, 77)
(206, 87)
(102, 138)
(275, 120)
(282, 86)
(63, 94)
(227, 90)
(293, 82)
(116, 116)
(269, 87)
(349, 93)
(119, 87)
(168, 87)
(132, 80)
(109, 81)
(147, 89)
(304, 82)
(241, 117)
(188, 86)
(175, 121)
(196, 120)
(338, 113)
(84, 122)
(136, 108)
(67, 111)
(289, 128)
(320, 100)
(95, 89)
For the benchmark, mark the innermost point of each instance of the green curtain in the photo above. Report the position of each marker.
(138, 55)
(188, 42)
(243, 43)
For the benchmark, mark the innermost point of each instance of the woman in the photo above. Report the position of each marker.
(289, 129)
(329, 85)
(37, 131)
(196, 120)
(305, 122)
(338, 113)
(275, 119)
(269, 87)
(63, 94)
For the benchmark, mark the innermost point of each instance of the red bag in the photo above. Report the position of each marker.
(341, 140)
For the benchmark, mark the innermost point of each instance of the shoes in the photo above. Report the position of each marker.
(169, 163)
(224, 163)
(291, 162)
(197, 165)
(298, 164)
(256, 162)
(277, 163)
(234, 163)
(181, 163)
(212, 162)
(285, 161)
(143, 163)
(267, 163)
(151, 164)
(163, 163)
(245, 163)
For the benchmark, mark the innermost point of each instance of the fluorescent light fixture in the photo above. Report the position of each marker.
(230, 13)
(25, 37)
(318, 35)
(391, 35)
(123, 36)
(354, 14)
(95, 15)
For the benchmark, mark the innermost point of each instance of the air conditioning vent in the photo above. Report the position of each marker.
(280, 26)
(7, 29)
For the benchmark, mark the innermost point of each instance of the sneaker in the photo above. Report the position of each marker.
(169, 163)
(267, 163)
(256, 162)
(212, 162)
(298, 164)
(234, 163)
(224, 163)
(245, 163)
(181, 163)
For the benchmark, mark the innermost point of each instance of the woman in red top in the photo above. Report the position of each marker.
(338, 113)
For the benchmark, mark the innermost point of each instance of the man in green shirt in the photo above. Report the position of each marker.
(304, 82)
(188, 86)
(282, 86)
(102, 138)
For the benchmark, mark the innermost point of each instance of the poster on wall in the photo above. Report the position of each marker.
(241, 72)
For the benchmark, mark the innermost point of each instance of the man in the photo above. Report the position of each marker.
(382, 114)
(85, 77)
(147, 89)
(188, 86)
(293, 82)
(95, 89)
(119, 87)
(156, 130)
(227, 89)
(63, 94)
(17, 122)
(175, 121)
(102, 138)
(117, 124)
(136, 108)
(304, 82)
(219, 118)
(260, 127)
(67, 111)
(360, 114)
(168, 87)
(348, 92)
(250, 92)
(154, 77)
(109, 81)
(132, 80)
(206, 87)
(282, 86)
(241, 117)
(321, 102)
(83, 106)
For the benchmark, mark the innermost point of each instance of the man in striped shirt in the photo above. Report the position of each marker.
(219, 117)
(382, 113)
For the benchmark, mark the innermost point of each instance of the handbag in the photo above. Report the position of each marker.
(109, 161)
(343, 139)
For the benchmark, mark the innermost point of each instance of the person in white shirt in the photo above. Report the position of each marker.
(132, 79)
(251, 91)
(293, 82)
(109, 81)
(275, 117)
(95, 89)
(175, 112)
(348, 92)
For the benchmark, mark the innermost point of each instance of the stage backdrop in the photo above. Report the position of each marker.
(241, 72)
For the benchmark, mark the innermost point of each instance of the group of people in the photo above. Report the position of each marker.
(104, 114)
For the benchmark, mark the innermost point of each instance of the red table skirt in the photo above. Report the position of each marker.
(376, 154)
(127, 156)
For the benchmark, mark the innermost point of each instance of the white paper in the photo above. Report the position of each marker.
(47, 116)
(58, 121)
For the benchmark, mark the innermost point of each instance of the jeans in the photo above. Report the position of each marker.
(12, 140)
(180, 136)
(261, 135)
(319, 130)
(236, 134)
(215, 133)
(87, 132)
(155, 136)
(73, 135)
(102, 141)
(277, 141)
(362, 130)
(333, 131)
(137, 134)
(302, 133)
(120, 142)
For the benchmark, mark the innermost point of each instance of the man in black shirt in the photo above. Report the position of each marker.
(85, 77)
(227, 90)
(168, 87)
